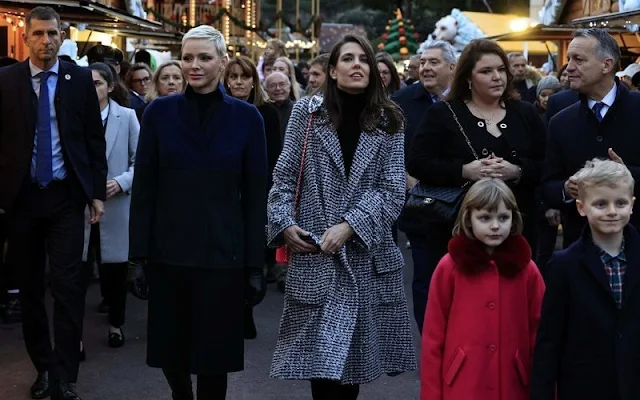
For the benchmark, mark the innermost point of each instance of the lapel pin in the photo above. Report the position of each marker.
(67, 77)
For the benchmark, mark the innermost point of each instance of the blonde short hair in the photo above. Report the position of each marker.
(487, 194)
(208, 33)
(603, 172)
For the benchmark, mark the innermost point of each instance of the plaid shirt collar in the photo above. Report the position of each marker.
(608, 258)
(614, 267)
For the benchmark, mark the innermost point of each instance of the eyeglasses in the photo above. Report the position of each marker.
(144, 80)
(273, 86)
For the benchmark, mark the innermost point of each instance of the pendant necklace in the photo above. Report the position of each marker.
(488, 121)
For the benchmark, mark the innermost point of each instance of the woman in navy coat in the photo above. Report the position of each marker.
(197, 219)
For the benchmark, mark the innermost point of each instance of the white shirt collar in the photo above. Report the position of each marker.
(105, 113)
(35, 70)
(607, 100)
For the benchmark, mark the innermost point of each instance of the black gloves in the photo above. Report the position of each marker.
(139, 286)
(256, 285)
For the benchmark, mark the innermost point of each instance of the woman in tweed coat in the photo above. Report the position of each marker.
(345, 319)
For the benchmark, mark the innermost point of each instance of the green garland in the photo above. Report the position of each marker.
(297, 28)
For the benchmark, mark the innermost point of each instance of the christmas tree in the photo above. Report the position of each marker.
(400, 40)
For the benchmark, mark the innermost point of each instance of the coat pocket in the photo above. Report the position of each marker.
(454, 366)
(523, 371)
(309, 278)
(389, 283)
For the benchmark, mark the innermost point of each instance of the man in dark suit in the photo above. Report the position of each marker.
(52, 164)
(437, 64)
(559, 101)
(599, 125)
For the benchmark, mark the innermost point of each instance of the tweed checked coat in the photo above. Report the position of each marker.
(345, 315)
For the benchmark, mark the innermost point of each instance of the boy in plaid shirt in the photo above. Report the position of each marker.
(588, 342)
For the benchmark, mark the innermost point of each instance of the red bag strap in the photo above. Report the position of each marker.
(300, 172)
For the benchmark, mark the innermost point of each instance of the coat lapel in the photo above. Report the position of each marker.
(591, 259)
(62, 92)
(329, 138)
(632, 273)
(368, 146)
(29, 100)
(113, 126)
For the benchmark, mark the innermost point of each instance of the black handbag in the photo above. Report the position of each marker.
(437, 204)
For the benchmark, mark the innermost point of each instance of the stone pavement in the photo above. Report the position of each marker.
(121, 374)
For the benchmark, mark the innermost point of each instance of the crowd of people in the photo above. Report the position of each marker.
(178, 171)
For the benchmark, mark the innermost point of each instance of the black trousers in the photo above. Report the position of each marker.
(323, 389)
(210, 387)
(113, 280)
(427, 250)
(49, 223)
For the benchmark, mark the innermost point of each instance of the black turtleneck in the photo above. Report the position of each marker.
(203, 104)
(350, 127)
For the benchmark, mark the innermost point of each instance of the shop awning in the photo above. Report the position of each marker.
(495, 25)
(544, 33)
(611, 20)
(94, 16)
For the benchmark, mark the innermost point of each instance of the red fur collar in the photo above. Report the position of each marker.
(470, 256)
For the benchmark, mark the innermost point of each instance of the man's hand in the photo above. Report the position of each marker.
(96, 211)
(571, 188)
(554, 217)
(113, 188)
(335, 237)
(615, 157)
(411, 181)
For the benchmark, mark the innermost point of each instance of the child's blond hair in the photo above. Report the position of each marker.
(487, 194)
(603, 172)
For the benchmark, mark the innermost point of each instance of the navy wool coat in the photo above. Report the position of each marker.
(586, 345)
(575, 136)
(345, 316)
(199, 193)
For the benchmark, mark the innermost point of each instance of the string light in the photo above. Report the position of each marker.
(15, 21)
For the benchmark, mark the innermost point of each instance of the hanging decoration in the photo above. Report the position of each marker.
(15, 21)
(400, 40)
(261, 29)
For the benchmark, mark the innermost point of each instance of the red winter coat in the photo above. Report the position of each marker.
(481, 321)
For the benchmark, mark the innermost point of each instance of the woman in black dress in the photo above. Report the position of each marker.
(507, 134)
(241, 81)
(197, 218)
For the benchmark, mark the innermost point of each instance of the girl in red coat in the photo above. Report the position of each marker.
(484, 304)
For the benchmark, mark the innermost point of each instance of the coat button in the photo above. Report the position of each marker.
(599, 138)
(620, 335)
(492, 347)
(491, 305)
(503, 125)
(481, 124)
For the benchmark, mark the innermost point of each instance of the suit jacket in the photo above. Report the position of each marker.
(79, 123)
(585, 344)
(575, 136)
(199, 191)
(414, 101)
(122, 141)
(558, 102)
